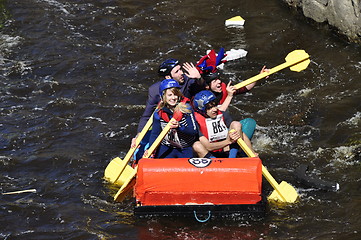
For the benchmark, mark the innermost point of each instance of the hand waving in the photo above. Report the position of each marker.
(191, 70)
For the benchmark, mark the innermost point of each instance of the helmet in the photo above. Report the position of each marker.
(210, 76)
(166, 67)
(202, 98)
(167, 83)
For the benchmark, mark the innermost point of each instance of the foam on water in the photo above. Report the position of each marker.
(354, 121)
(262, 142)
(283, 138)
(96, 119)
(341, 156)
(7, 43)
(58, 5)
(305, 92)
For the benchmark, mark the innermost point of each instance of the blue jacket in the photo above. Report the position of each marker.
(183, 136)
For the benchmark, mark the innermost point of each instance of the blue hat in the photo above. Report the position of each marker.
(166, 67)
(202, 98)
(167, 83)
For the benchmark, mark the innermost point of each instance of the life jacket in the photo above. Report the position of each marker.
(224, 93)
(175, 138)
(213, 129)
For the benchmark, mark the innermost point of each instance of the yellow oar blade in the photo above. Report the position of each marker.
(126, 174)
(288, 193)
(282, 193)
(301, 66)
(115, 168)
(129, 180)
(297, 60)
(127, 187)
(235, 21)
(112, 171)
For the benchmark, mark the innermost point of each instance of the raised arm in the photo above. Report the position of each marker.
(230, 91)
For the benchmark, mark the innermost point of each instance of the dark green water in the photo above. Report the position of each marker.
(73, 84)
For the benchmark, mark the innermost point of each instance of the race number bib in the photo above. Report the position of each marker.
(217, 129)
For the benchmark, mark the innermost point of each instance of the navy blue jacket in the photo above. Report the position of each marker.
(187, 132)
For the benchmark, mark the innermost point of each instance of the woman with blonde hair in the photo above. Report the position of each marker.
(183, 133)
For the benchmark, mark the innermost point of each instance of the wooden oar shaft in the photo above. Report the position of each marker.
(245, 148)
(265, 172)
(272, 181)
(111, 174)
(271, 71)
(133, 149)
(123, 190)
(139, 139)
(21, 191)
(159, 139)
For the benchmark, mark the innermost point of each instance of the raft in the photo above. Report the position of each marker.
(199, 187)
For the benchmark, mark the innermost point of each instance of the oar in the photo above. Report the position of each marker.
(313, 181)
(130, 179)
(297, 60)
(21, 191)
(283, 192)
(118, 169)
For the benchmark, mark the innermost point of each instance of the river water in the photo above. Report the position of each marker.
(74, 79)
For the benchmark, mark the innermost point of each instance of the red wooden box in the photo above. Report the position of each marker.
(198, 181)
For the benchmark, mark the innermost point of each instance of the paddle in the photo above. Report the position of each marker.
(297, 60)
(130, 179)
(283, 192)
(313, 181)
(118, 169)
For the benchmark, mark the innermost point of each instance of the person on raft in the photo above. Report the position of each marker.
(214, 136)
(183, 133)
(188, 78)
(224, 93)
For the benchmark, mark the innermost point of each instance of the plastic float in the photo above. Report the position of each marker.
(235, 21)
(199, 187)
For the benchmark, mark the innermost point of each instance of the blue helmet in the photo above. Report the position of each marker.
(202, 98)
(166, 67)
(167, 83)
